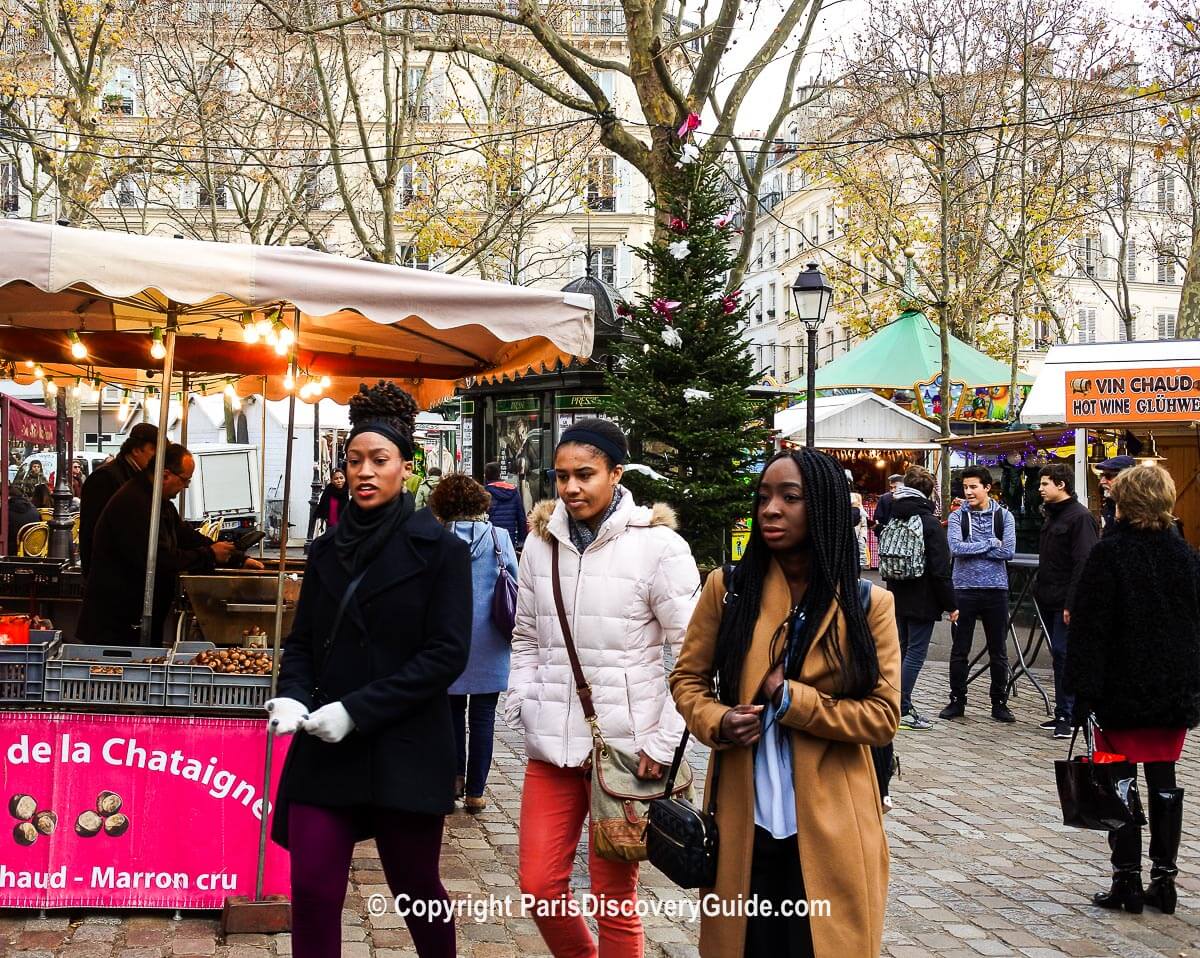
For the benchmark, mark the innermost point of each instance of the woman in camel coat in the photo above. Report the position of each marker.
(831, 691)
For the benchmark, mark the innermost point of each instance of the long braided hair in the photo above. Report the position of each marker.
(834, 578)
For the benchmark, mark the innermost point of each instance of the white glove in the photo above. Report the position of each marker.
(330, 723)
(286, 715)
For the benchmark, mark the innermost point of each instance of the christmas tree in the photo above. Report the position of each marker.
(680, 387)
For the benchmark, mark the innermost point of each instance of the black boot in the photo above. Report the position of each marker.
(1166, 829)
(1126, 891)
(956, 708)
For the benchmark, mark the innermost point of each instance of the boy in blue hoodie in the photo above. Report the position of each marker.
(507, 511)
(983, 537)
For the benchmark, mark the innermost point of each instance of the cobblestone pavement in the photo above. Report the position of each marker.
(980, 866)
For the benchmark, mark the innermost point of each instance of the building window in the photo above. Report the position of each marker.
(126, 193)
(1131, 261)
(214, 195)
(602, 184)
(409, 256)
(1166, 192)
(1166, 324)
(1087, 325)
(1166, 268)
(604, 264)
(412, 183)
(771, 250)
(118, 103)
(1044, 334)
(770, 301)
(758, 252)
(830, 222)
(1088, 256)
(1123, 329)
(9, 196)
(787, 244)
(814, 229)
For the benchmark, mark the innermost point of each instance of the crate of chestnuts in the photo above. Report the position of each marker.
(107, 675)
(201, 676)
(23, 667)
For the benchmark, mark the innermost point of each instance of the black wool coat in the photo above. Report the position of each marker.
(112, 598)
(1133, 652)
(402, 641)
(98, 489)
(926, 598)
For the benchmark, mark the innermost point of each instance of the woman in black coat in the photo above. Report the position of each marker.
(334, 499)
(382, 629)
(1133, 659)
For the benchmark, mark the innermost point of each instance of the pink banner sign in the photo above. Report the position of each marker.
(27, 423)
(133, 811)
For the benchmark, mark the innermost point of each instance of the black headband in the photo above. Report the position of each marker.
(589, 438)
(388, 431)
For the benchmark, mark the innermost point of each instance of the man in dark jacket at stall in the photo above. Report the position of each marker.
(112, 601)
(1068, 535)
(883, 508)
(920, 602)
(506, 511)
(102, 485)
(21, 512)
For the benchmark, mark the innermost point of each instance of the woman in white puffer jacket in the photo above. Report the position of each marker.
(629, 586)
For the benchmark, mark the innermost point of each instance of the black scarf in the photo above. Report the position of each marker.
(362, 533)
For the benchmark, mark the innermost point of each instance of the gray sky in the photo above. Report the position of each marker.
(839, 21)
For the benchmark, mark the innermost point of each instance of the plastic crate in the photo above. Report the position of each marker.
(24, 575)
(107, 675)
(23, 667)
(198, 687)
(70, 585)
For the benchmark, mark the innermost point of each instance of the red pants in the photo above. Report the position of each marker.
(554, 804)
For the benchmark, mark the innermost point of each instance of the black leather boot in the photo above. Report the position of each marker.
(956, 709)
(1126, 891)
(1166, 830)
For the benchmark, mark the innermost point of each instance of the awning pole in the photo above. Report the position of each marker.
(5, 438)
(183, 436)
(60, 519)
(279, 580)
(262, 471)
(1081, 463)
(164, 420)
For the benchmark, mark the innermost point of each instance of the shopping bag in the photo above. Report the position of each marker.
(1097, 795)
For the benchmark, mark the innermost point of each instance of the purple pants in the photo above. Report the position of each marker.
(321, 842)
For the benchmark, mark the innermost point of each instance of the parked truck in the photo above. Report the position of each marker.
(225, 484)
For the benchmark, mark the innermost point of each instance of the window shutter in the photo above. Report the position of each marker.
(1131, 261)
(1166, 325)
(624, 173)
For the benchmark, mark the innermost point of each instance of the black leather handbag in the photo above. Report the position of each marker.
(681, 840)
(1101, 796)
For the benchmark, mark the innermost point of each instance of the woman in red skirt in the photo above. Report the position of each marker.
(1133, 660)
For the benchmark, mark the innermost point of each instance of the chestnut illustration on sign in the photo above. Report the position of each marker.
(46, 822)
(108, 803)
(88, 824)
(22, 807)
(25, 833)
(116, 825)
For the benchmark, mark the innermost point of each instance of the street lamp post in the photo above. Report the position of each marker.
(812, 294)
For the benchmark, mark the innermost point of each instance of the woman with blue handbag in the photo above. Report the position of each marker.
(462, 504)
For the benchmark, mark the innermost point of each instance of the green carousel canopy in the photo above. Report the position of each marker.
(903, 362)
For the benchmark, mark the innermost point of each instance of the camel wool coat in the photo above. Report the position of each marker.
(839, 818)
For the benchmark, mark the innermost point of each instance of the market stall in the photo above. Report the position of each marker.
(1144, 396)
(137, 311)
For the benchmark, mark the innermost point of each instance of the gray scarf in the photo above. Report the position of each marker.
(581, 535)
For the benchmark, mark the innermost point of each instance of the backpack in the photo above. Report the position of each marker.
(997, 522)
(902, 550)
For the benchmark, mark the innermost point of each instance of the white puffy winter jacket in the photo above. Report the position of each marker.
(630, 593)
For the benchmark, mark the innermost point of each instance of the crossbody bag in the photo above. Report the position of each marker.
(620, 800)
(318, 694)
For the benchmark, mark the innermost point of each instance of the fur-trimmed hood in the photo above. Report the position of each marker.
(659, 514)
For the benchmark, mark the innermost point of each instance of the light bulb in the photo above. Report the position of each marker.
(77, 389)
(38, 372)
(250, 333)
(285, 333)
(262, 327)
(281, 348)
(325, 382)
(29, 364)
(235, 403)
(289, 382)
(230, 391)
(78, 349)
(51, 387)
(157, 349)
(306, 392)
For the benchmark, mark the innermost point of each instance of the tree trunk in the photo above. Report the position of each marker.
(1188, 323)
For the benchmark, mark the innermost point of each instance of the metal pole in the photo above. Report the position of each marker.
(183, 435)
(60, 521)
(100, 419)
(5, 439)
(315, 496)
(262, 470)
(810, 428)
(283, 537)
(164, 420)
(1081, 465)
